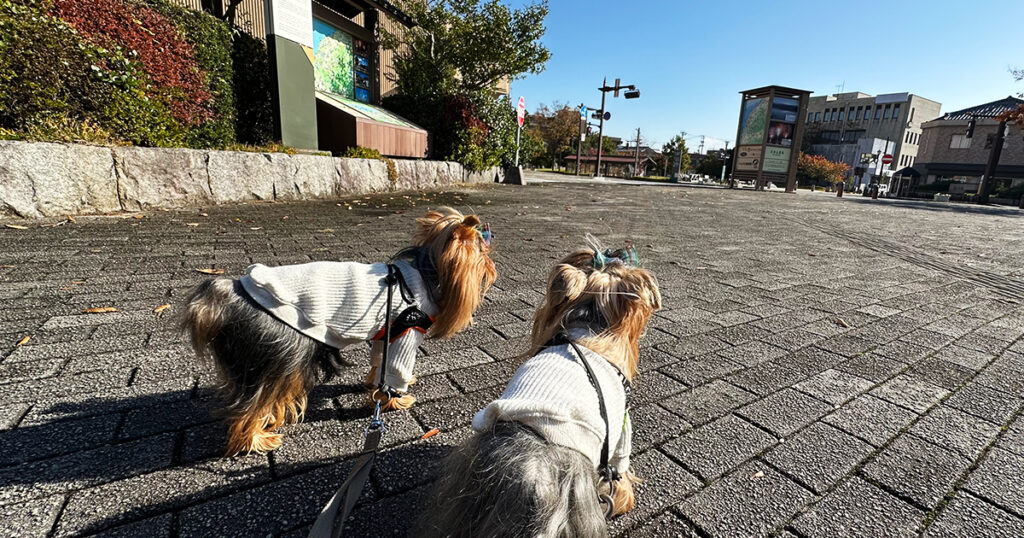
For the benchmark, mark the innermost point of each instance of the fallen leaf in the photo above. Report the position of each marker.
(77, 282)
(138, 216)
(702, 268)
(256, 228)
(24, 340)
(211, 271)
(813, 255)
(325, 231)
(100, 310)
(96, 250)
(7, 266)
(204, 214)
(161, 308)
(192, 224)
(757, 475)
(842, 322)
(430, 434)
(16, 226)
(72, 219)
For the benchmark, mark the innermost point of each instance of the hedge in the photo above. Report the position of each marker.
(143, 72)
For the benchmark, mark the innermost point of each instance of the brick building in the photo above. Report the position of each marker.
(946, 154)
(849, 127)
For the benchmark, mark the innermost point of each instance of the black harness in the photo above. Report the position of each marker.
(331, 520)
(607, 472)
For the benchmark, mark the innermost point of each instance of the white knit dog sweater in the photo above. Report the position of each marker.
(342, 304)
(551, 394)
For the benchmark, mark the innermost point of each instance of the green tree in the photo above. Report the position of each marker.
(448, 66)
(558, 130)
(711, 165)
(590, 144)
(668, 149)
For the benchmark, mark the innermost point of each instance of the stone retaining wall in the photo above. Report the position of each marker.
(41, 179)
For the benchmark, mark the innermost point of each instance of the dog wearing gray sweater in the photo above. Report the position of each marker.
(550, 457)
(276, 331)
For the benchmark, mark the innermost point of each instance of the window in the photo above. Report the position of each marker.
(830, 137)
(810, 117)
(832, 116)
(896, 111)
(817, 116)
(841, 111)
(849, 114)
(959, 141)
(867, 113)
(911, 118)
(860, 109)
(878, 112)
(886, 115)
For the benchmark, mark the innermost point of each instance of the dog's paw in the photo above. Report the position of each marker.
(405, 401)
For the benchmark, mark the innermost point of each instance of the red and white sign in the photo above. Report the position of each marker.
(887, 159)
(521, 111)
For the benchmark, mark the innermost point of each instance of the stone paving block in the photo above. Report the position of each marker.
(965, 357)
(1006, 379)
(739, 334)
(857, 508)
(400, 511)
(917, 469)
(990, 404)
(746, 503)
(1013, 438)
(752, 353)
(818, 456)
(928, 339)
(699, 370)
(903, 351)
(942, 373)
(653, 359)
(107, 402)
(664, 483)
(653, 425)
(452, 413)
(165, 417)
(967, 515)
(38, 442)
(10, 415)
(847, 345)
(871, 366)
(666, 525)
(872, 419)
(142, 496)
(834, 386)
(155, 527)
(878, 310)
(715, 448)
(955, 430)
(910, 392)
(83, 469)
(785, 411)
(707, 402)
(411, 465)
(997, 479)
(812, 360)
(792, 339)
(32, 518)
(693, 346)
(767, 377)
(490, 374)
(501, 350)
(434, 387)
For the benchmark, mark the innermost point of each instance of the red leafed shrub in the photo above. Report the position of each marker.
(462, 111)
(166, 57)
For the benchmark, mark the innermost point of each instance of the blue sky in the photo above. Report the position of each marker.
(690, 59)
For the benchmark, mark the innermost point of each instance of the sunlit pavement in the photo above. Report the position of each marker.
(822, 366)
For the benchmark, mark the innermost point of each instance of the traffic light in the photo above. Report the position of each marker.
(632, 94)
(970, 128)
(590, 129)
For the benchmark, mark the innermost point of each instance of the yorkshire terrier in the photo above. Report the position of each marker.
(276, 332)
(550, 457)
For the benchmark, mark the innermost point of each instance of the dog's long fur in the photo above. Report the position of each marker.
(266, 368)
(510, 482)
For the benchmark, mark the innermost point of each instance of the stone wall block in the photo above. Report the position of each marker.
(162, 178)
(39, 179)
(237, 176)
(361, 176)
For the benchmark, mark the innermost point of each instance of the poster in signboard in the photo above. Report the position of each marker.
(776, 160)
(785, 109)
(748, 158)
(292, 19)
(753, 120)
(781, 134)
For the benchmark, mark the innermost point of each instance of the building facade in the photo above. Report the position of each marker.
(857, 129)
(947, 154)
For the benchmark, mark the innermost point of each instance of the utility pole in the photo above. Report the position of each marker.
(579, 142)
(636, 163)
(600, 129)
(700, 150)
(985, 188)
(725, 160)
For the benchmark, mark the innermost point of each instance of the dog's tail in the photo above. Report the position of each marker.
(510, 482)
(206, 311)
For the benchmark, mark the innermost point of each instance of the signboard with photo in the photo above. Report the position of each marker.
(753, 120)
(748, 158)
(777, 160)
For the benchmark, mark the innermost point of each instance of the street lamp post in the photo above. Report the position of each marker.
(633, 93)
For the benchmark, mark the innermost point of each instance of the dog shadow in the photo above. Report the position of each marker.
(98, 448)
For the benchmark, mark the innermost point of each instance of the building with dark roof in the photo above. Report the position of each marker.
(948, 155)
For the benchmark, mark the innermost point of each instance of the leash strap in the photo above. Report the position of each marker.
(608, 472)
(332, 518)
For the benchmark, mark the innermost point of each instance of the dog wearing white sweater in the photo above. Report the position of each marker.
(550, 457)
(277, 331)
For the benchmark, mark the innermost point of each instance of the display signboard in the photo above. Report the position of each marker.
(776, 160)
(748, 158)
(291, 19)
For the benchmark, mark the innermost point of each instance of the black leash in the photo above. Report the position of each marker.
(607, 471)
(331, 520)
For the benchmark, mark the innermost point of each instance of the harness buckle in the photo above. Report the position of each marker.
(376, 422)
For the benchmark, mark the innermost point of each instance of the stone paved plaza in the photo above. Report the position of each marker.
(822, 367)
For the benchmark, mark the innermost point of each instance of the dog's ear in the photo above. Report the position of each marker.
(433, 224)
(471, 221)
(565, 283)
(465, 272)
